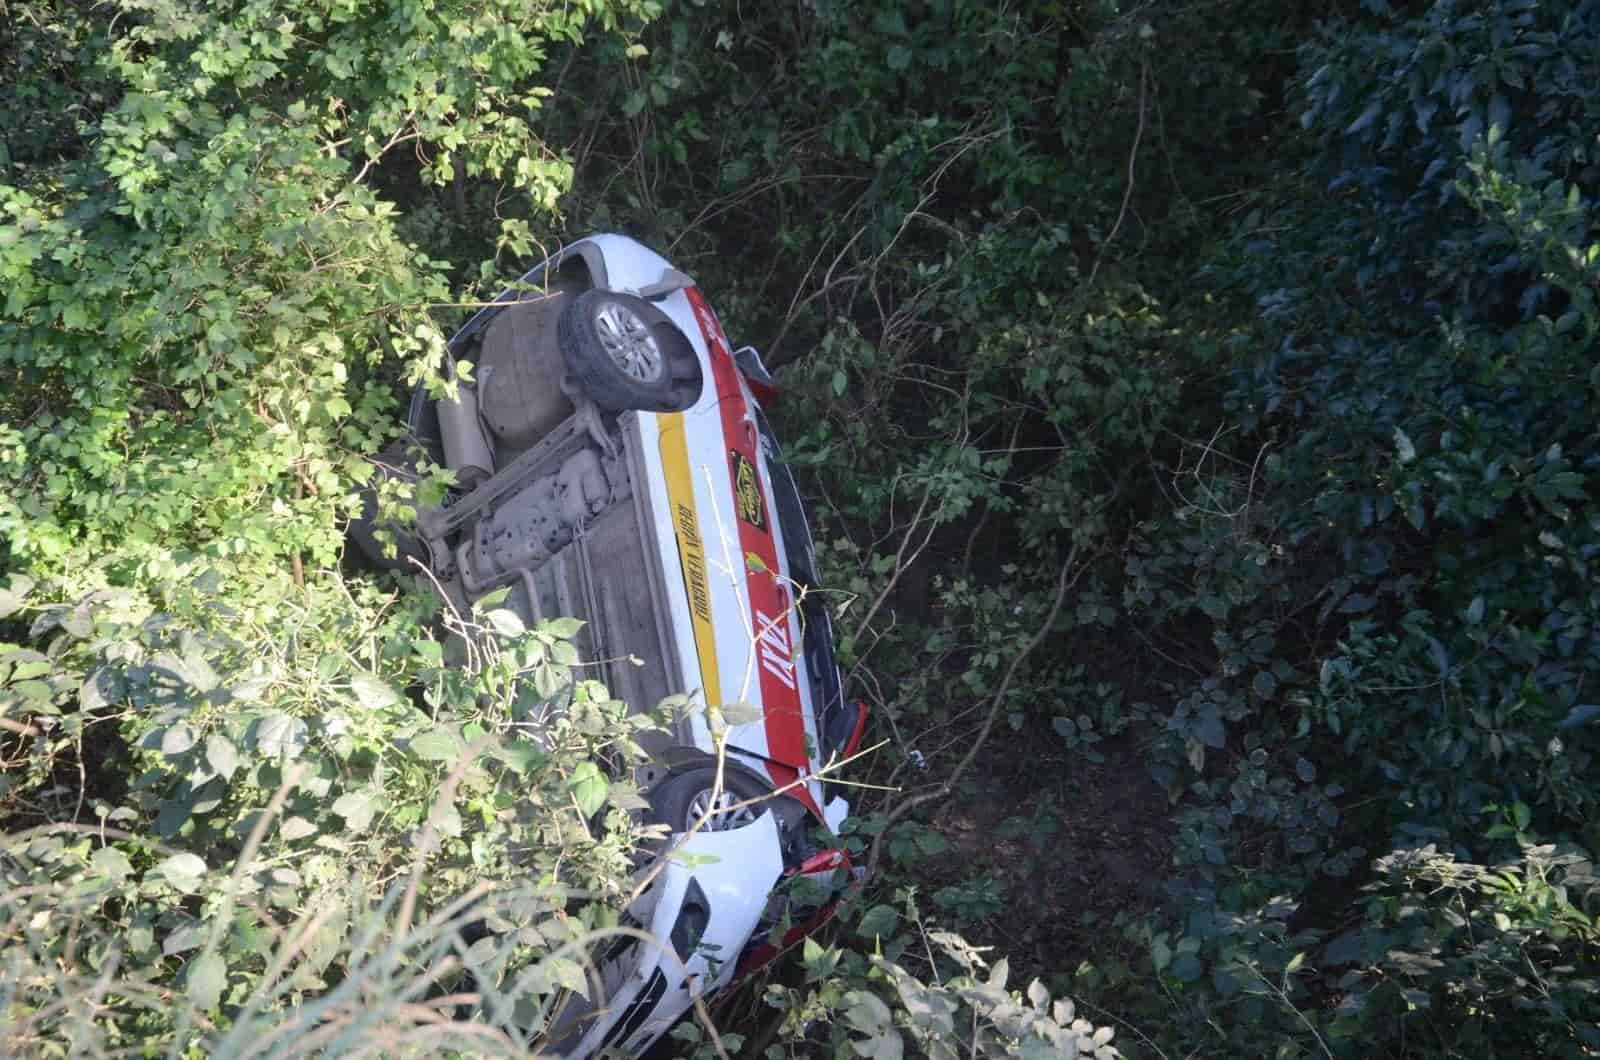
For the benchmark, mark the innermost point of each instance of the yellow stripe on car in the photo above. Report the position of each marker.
(691, 549)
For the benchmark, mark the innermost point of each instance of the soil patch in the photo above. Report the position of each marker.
(1068, 843)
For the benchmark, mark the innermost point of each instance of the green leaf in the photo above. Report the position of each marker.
(356, 809)
(569, 973)
(1211, 733)
(1417, 998)
(734, 714)
(1366, 118)
(878, 922)
(447, 819)
(1581, 714)
(819, 963)
(36, 691)
(221, 755)
(296, 828)
(491, 600)
(520, 756)
(1403, 447)
(177, 739)
(111, 863)
(182, 939)
(280, 736)
(565, 628)
(208, 976)
(97, 690)
(12, 597)
(506, 623)
(175, 810)
(866, 1012)
(193, 668)
(183, 871)
(589, 788)
(438, 744)
(371, 692)
(547, 681)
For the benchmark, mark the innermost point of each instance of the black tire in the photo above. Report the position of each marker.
(391, 463)
(618, 351)
(679, 800)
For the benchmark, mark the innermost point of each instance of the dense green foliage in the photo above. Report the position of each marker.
(215, 778)
(1205, 391)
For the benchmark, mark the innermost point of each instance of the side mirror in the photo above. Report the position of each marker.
(671, 280)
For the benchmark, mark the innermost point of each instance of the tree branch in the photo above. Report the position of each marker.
(1064, 581)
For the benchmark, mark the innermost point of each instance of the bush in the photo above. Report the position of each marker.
(295, 839)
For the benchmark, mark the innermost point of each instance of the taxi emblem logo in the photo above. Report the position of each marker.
(747, 492)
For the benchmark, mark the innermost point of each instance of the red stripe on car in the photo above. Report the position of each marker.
(769, 599)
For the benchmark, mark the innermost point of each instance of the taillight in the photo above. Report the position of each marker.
(853, 744)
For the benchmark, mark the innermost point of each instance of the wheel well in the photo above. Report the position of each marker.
(574, 272)
(678, 760)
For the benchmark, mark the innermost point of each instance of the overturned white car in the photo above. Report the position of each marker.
(615, 466)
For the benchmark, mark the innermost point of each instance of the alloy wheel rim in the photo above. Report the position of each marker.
(721, 819)
(628, 342)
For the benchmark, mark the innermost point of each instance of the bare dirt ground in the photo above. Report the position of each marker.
(1071, 843)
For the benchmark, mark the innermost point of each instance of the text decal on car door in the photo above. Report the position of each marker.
(691, 550)
(777, 657)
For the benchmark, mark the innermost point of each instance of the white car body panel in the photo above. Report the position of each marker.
(736, 869)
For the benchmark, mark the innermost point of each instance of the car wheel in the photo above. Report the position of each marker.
(680, 801)
(614, 352)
